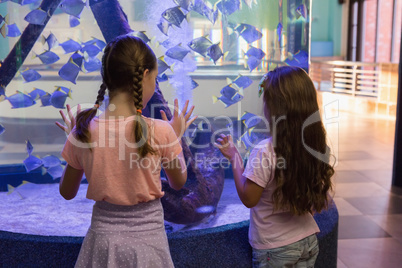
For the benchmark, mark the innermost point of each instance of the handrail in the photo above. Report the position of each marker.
(378, 80)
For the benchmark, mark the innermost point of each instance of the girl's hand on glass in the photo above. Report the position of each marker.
(70, 123)
(226, 146)
(180, 120)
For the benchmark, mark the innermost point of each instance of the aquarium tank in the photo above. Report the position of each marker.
(212, 53)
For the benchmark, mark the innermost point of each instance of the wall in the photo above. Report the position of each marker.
(326, 25)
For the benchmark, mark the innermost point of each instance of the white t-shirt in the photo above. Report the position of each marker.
(268, 229)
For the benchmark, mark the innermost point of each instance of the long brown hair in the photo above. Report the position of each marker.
(123, 64)
(302, 186)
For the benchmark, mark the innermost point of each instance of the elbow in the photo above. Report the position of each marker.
(248, 202)
(177, 185)
(67, 196)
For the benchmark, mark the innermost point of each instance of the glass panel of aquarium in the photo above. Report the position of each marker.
(212, 53)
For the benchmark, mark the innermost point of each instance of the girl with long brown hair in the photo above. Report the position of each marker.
(288, 176)
(121, 152)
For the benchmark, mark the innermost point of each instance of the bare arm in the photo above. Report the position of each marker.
(176, 170)
(70, 182)
(248, 191)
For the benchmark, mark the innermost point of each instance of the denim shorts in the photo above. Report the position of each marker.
(302, 253)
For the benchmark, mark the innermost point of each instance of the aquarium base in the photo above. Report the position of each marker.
(223, 246)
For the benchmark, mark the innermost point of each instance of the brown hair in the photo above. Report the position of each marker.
(303, 185)
(123, 64)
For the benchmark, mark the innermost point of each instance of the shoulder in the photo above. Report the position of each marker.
(160, 124)
(265, 145)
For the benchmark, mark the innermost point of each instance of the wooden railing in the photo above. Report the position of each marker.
(375, 80)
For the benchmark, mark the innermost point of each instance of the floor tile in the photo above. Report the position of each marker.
(392, 224)
(369, 164)
(370, 253)
(354, 155)
(359, 226)
(369, 189)
(344, 208)
(340, 264)
(391, 204)
(346, 176)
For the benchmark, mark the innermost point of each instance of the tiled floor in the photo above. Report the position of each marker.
(370, 210)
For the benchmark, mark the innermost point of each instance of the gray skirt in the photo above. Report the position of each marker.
(126, 236)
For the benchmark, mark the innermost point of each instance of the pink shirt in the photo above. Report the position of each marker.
(113, 168)
(268, 229)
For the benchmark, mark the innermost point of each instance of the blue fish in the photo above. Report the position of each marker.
(72, 7)
(13, 30)
(193, 84)
(237, 129)
(228, 102)
(252, 63)
(228, 7)
(300, 59)
(200, 45)
(256, 52)
(70, 70)
(228, 92)
(92, 65)
(32, 162)
(2, 91)
(36, 94)
(141, 35)
(74, 21)
(45, 100)
(279, 29)
(101, 44)
(50, 161)
(2, 129)
(51, 41)
(185, 4)
(177, 52)
(55, 172)
(248, 32)
(241, 81)
(3, 30)
(29, 147)
(174, 16)
(167, 43)
(163, 26)
(24, 2)
(301, 56)
(77, 59)
(249, 139)
(202, 8)
(162, 65)
(68, 91)
(302, 11)
(250, 120)
(5, 19)
(36, 16)
(162, 78)
(20, 100)
(30, 75)
(70, 46)
(58, 99)
(215, 52)
(48, 57)
(91, 49)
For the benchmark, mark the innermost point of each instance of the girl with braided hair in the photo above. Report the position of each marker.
(122, 153)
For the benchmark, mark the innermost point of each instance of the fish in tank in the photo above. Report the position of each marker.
(210, 52)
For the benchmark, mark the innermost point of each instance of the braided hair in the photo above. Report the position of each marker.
(124, 62)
